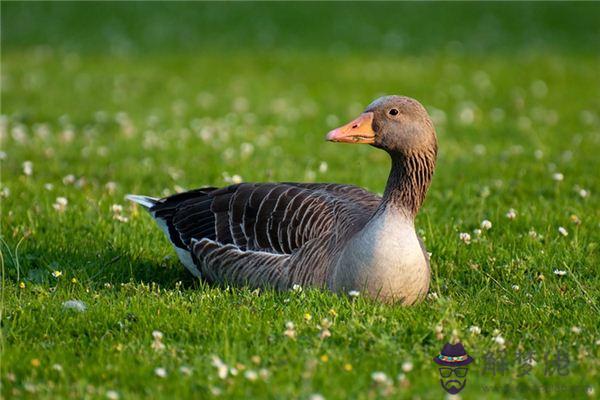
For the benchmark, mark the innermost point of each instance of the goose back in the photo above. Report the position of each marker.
(274, 218)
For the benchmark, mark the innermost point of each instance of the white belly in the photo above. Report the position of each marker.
(386, 260)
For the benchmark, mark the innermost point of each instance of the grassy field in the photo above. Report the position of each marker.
(103, 100)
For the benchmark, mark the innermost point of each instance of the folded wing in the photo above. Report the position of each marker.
(275, 218)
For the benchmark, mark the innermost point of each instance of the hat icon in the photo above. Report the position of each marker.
(453, 355)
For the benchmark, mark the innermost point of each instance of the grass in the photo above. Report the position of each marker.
(103, 95)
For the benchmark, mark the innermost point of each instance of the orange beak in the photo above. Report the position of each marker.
(358, 131)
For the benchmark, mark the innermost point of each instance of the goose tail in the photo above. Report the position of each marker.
(145, 201)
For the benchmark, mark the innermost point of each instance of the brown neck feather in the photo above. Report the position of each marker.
(409, 180)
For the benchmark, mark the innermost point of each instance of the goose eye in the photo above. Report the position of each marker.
(393, 111)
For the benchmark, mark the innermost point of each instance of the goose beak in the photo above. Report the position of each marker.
(358, 131)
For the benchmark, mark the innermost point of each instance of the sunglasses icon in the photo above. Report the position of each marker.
(447, 372)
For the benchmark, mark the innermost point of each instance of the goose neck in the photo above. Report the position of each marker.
(409, 179)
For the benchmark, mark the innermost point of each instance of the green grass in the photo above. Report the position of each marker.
(156, 99)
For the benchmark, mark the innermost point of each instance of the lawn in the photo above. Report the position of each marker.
(102, 100)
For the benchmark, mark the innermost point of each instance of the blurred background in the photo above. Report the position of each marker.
(338, 28)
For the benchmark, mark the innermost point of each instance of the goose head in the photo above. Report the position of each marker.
(397, 124)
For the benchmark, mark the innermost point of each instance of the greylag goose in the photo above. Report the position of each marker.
(324, 235)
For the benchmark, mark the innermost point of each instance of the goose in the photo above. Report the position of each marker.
(325, 235)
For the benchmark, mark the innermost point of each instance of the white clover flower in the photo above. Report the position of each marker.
(160, 372)
(185, 370)
(511, 214)
(178, 189)
(75, 305)
(112, 395)
(354, 293)
(583, 193)
(290, 330)
(477, 232)
(264, 374)
(60, 204)
(560, 272)
(246, 149)
(157, 335)
(19, 133)
(323, 167)
(407, 366)
(28, 168)
(465, 237)
(251, 375)
(486, 225)
(110, 187)
(576, 330)
(532, 233)
(222, 369)
(296, 288)
(235, 179)
(48, 186)
(474, 330)
(316, 396)
(157, 344)
(562, 231)
(558, 177)
(69, 179)
(499, 340)
(324, 334)
(117, 211)
(121, 218)
(325, 323)
(324, 327)
(379, 377)
(433, 296)
(516, 288)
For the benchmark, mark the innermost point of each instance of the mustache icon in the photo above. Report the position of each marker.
(453, 386)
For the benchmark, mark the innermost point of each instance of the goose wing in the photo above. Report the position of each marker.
(276, 218)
